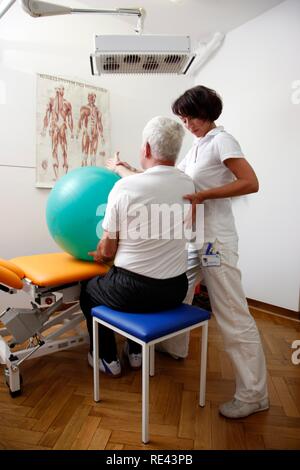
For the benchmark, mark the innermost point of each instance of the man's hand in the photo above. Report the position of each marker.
(97, 256)
(115, 164)
(112, 163)
(106, 248)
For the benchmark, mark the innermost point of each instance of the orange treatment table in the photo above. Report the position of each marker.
(52, 281)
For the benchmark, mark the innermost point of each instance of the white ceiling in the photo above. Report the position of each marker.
(196, 18)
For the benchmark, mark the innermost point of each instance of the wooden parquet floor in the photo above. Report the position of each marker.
(57, 411)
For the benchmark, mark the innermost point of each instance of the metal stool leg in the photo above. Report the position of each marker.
(152, 360)
(203, 364)
(145, 395)
(96, 359)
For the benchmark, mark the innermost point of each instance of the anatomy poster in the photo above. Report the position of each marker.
(73, 127)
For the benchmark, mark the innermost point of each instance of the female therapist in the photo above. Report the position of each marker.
(220, 171)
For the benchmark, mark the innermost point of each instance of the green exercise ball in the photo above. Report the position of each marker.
(76, 207)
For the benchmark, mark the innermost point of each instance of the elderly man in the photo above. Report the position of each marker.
(149, 254)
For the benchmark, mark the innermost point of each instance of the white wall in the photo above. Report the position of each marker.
(254, 72)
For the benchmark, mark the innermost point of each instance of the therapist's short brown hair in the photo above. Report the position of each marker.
(199, 102)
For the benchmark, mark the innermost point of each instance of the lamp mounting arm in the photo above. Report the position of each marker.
(37, 9)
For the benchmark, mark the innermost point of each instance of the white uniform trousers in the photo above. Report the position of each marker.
(241, 337)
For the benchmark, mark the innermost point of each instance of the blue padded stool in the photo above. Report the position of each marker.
(148, 329)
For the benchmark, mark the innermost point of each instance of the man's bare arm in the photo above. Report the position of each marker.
(107, 248)
(121, 168)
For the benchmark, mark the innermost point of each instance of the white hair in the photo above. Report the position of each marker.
(164, 136)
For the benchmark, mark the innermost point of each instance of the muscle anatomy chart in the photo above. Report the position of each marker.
(72, 127)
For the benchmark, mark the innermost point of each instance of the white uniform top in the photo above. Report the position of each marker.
(204, 164)
(159, 257)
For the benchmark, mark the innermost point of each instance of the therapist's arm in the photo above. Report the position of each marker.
(106, 248)
(246, 183)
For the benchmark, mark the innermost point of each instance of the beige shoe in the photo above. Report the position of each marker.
(240, 409)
